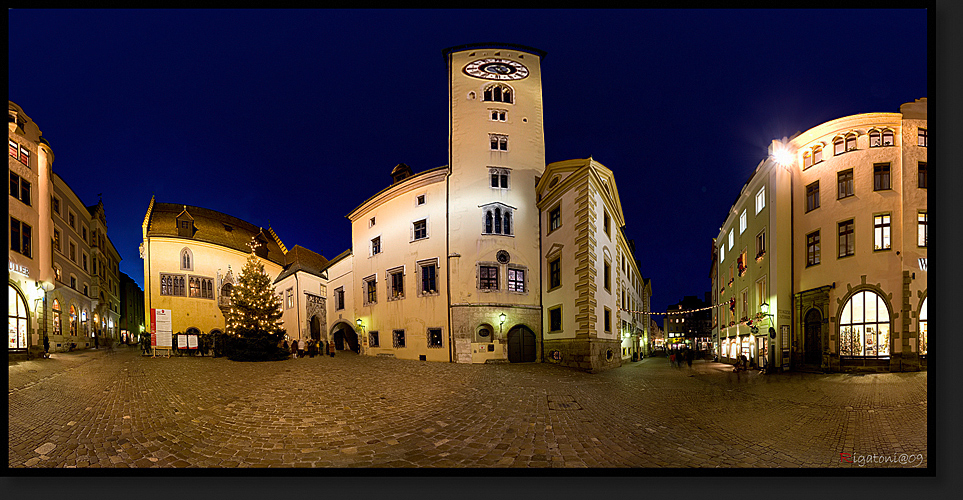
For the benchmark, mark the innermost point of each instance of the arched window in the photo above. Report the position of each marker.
(179, 286)
(498, 219)
(864, 326)
(187, 259)
(498, 93)
(489, 222)
(807, 160)
(56, 317)
(195, 287)
(850, 142)
(838, 145)
(922, 328)
(84, 326)
(875, 138)
(507, 226)
(17, 318)
(887, 137)
(817, 154)
(73, 320)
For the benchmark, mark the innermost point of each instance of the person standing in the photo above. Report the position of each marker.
(46, 346)
(294, 348)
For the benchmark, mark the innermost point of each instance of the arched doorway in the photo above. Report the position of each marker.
(315, 328)
(521, 344)
(813, 339)
(345, 338)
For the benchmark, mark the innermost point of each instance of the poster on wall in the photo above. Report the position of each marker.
(192, 341)
(182, 341)
(160, 329)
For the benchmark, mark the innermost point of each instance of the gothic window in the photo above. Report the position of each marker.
(498, 93)
(187, 260)
(499, 142)
(498, 219)
(499, 177)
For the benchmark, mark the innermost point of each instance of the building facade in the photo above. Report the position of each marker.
(455, 263)
(822, 260)
(302, 285)
(689, 324)
(193, 257)
(132, 302)
(63, 269)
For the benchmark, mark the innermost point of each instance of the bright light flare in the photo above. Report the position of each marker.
(782, 156)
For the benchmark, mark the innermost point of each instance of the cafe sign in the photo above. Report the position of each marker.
(17, 268)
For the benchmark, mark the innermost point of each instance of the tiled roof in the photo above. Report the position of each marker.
(212, 227)
(302, 259)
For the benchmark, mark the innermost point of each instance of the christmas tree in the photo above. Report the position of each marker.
(254, 318)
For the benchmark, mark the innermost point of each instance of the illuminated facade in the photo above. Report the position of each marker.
(192, 260)
(73, 300)
(302, 285)
(846, 284)
(452, 264)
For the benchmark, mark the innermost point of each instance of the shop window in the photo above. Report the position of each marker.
(17, 318)
(56, 317)
(864, 326)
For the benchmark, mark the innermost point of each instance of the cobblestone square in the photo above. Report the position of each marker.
(121, 409)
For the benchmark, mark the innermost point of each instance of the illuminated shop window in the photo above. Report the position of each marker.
(924, 321)
(17, 318)
(864, 326)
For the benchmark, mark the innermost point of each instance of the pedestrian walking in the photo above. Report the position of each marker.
(46, 346)
(294, 348)
(331, 349)
(301, 349)
(672, 358)
(689, 354)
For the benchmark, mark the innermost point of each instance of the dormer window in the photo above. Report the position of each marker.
(185, 224)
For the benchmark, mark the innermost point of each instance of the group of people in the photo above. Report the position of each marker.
(309, 347)
(678, 357)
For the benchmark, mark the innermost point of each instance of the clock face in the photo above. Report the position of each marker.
(496, 69)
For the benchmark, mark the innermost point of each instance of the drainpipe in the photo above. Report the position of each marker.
(297, 297)
(451, 334)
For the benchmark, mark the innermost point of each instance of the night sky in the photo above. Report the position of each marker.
(293, 118)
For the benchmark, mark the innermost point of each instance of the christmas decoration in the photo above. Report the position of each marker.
(254, 318)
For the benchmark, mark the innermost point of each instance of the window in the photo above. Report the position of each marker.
(58, 273)
(434, 337)
(922, 138)
(924, 321)
(880, 176)
(812, 248)
(195, 286)
(760, 202)
(20, 237)
(83, 258)
(70, 218)
(499, 178)
(14, 152)
(743, 262)
(922, 174)
(881, 229)
(722, 252)
(207, 288)
(371, 222)
(185, 228)
(187, 259)
(289, 298)
(339, 298)
(851, 142)
(420, 199)
(864, 326)
(419, 229)
(807, 160)
(847, 238)
(607, 321)
(607, 276)
(24, 156)
(838, 146)
(499, 142)
(84, 326)
(762, 293)
(921, 232)
(742, 222)
(875, 138)
(398, 338)
(812, 196)
(498, 115)
(761, 244)
(817, 154)
(396, 284)
(370, 290)
(554, 218)
(73, 320)
(73, 252)
(373, 340)
(516, 280)
(745, 304)
(555, 319)
(84, 235)
(488, 277)
(56, 205)
(86, 293)
(498, 219)
(73, 282)
(498, 93)
(172, 284)
(56, 317)
(606, 223)
(555, 273)
(428, 280)
(19, 188)
(731, 240)
(376, 245)
(844, 184)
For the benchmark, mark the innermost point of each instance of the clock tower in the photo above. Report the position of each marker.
(496, 154)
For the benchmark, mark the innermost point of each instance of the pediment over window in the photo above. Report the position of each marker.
(554, 250)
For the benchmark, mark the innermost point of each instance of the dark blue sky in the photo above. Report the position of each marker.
(293, 118)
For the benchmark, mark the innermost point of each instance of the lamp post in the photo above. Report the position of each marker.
(771, 358)
(501, 321)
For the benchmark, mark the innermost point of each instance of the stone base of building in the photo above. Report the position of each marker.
(591, 355)
(894, 364)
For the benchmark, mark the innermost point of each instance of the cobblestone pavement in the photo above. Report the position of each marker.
(121, 409)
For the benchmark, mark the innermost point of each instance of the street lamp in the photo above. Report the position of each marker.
(772, 335)
(501, 321)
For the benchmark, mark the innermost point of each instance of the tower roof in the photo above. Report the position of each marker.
(493, 45)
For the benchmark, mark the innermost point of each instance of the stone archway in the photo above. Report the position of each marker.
(345, 338)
